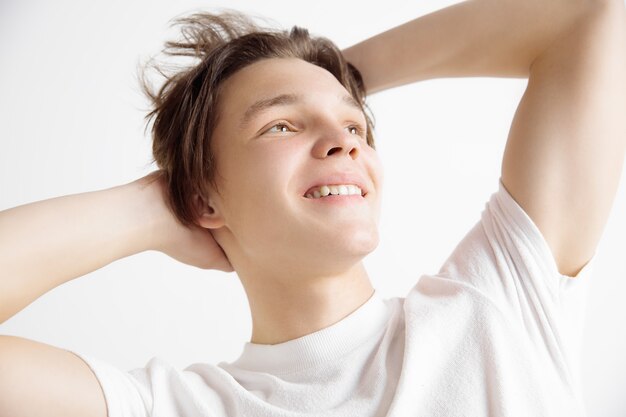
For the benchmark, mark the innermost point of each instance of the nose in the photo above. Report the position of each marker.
(337, 141)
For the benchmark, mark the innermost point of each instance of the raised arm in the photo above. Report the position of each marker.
(47, 243)
(475, 38)
(565, 151)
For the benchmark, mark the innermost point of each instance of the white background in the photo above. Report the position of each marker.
(71, 120)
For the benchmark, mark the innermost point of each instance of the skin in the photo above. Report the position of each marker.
(299, 260)
(570, 121)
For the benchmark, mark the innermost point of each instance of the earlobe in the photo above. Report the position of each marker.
(209, 218)
(208, 221)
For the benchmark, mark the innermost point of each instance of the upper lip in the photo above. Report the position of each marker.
(336, 179)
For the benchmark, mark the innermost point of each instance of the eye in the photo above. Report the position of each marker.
(282, 128)
(356, 130)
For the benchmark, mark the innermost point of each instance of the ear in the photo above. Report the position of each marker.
(209, 216)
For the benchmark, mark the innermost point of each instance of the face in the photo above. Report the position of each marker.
(271, 154)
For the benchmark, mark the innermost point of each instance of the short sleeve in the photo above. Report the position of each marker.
(126, 393)
(159, 389)
(506, 258)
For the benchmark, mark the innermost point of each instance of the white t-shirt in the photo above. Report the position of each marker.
(498, 332)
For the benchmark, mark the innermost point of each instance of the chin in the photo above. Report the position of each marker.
(358, 244)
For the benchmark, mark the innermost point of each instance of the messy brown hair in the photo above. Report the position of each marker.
(183, 108)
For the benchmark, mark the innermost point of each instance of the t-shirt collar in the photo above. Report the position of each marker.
(318, 347)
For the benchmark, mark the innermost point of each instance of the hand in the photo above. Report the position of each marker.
(192, 245)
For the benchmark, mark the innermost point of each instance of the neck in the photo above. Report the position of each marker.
(289, 308)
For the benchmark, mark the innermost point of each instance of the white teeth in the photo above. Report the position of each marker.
(343, 189)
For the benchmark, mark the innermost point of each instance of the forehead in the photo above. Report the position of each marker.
(274, 76)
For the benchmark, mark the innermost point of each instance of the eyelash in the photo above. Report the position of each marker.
(359, 130)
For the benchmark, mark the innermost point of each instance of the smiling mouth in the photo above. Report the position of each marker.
(340, 190)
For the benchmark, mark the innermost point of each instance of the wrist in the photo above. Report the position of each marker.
(149, 212)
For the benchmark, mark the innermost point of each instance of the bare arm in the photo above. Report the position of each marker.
(565, 151)
(42, 380)
(43, 245)
(47, 243)
(498, 38)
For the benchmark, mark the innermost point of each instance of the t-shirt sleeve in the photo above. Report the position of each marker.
(160, 389)
(127, 393)
(506, 258)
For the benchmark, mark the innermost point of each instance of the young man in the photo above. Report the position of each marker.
(495, 332)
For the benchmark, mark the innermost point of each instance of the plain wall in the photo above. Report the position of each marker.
(71, 120)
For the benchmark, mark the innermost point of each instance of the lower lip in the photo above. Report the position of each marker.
(339, 199)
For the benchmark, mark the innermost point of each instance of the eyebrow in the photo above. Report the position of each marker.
(286, 100)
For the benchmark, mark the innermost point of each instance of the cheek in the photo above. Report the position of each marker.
(274, 163)
(377, 170)
(259, 182)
